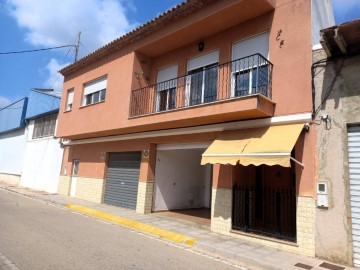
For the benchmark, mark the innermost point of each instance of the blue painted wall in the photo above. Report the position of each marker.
(41, 103)
(13, 116)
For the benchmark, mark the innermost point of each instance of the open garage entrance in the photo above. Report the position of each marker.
(182, 187)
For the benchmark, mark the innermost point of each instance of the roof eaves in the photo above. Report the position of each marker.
(147, 28)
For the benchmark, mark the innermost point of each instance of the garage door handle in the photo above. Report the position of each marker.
(122, 183)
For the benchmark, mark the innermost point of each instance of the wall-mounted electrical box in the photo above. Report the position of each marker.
(322, 194)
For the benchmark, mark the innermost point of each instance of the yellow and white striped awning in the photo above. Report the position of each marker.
(267, 145)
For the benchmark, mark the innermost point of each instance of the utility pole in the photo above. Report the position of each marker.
(77, 46)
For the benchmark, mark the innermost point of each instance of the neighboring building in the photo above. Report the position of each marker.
(13, 135)
(337, 117)
(43, 154)
(30, 154)
(221, 83)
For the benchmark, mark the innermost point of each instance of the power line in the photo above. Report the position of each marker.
(37, 50)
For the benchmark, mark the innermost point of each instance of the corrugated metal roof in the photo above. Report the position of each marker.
(42, 103)
(13, 116)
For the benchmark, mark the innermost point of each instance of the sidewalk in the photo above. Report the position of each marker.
(185, 233)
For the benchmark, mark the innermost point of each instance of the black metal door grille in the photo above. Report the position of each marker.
(270, 212)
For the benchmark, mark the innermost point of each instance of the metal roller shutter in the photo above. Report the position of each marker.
(122, 179)
(354, 175)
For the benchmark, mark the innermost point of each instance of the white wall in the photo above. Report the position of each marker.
(12, 150)
(42, 162)
(180, 180)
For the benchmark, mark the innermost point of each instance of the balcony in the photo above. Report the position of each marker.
(237, 79)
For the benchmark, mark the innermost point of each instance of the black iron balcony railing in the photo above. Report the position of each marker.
(265, 211)
(242, 77)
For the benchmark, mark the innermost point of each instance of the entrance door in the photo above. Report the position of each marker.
(123, 179)
(74, 177)
(354, 175)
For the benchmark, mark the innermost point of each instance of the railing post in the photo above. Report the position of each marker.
(233, 206)
(257, 73)
(278, 215)
(246, 220)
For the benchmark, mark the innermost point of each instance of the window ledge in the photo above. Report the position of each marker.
(42, 138)
(67, 111)
(89, 105)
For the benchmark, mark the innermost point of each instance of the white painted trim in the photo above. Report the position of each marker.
(271, 121)
(247, 155)
(178, 146)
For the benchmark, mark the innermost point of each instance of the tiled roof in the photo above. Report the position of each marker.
(173, 14)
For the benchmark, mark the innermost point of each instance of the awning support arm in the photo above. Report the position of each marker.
(297, 162)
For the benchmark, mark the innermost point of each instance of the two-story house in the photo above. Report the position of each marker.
(203, 107)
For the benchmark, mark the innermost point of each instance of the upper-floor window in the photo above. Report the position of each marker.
(44, 126)
(95, 91)
(250, 73)
(69, 99)
(202, 79)
(166, 88)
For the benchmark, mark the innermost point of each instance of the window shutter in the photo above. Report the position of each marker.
(203, 60)
(70, 98)
(166, 78)
(95, 86)
(250, 46)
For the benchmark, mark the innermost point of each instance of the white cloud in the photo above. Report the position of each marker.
(55, 23)
(55, 79)
(4, 102)
(49, 24)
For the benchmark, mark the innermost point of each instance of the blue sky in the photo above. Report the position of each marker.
(35, 24)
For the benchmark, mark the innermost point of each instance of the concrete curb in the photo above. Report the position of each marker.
(139, 226)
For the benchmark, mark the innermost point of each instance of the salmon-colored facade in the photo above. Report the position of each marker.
(190, 33)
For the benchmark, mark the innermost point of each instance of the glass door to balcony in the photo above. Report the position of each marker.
(167, 99)
(166, 88)
(202, 84)
(251, 80)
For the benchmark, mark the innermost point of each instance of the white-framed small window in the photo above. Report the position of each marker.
(69, 99)
(95, 91)
(166, 88)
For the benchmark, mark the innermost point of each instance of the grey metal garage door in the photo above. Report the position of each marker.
(122, 179)
(354, 174)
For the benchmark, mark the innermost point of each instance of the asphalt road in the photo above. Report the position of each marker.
(34, 235)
